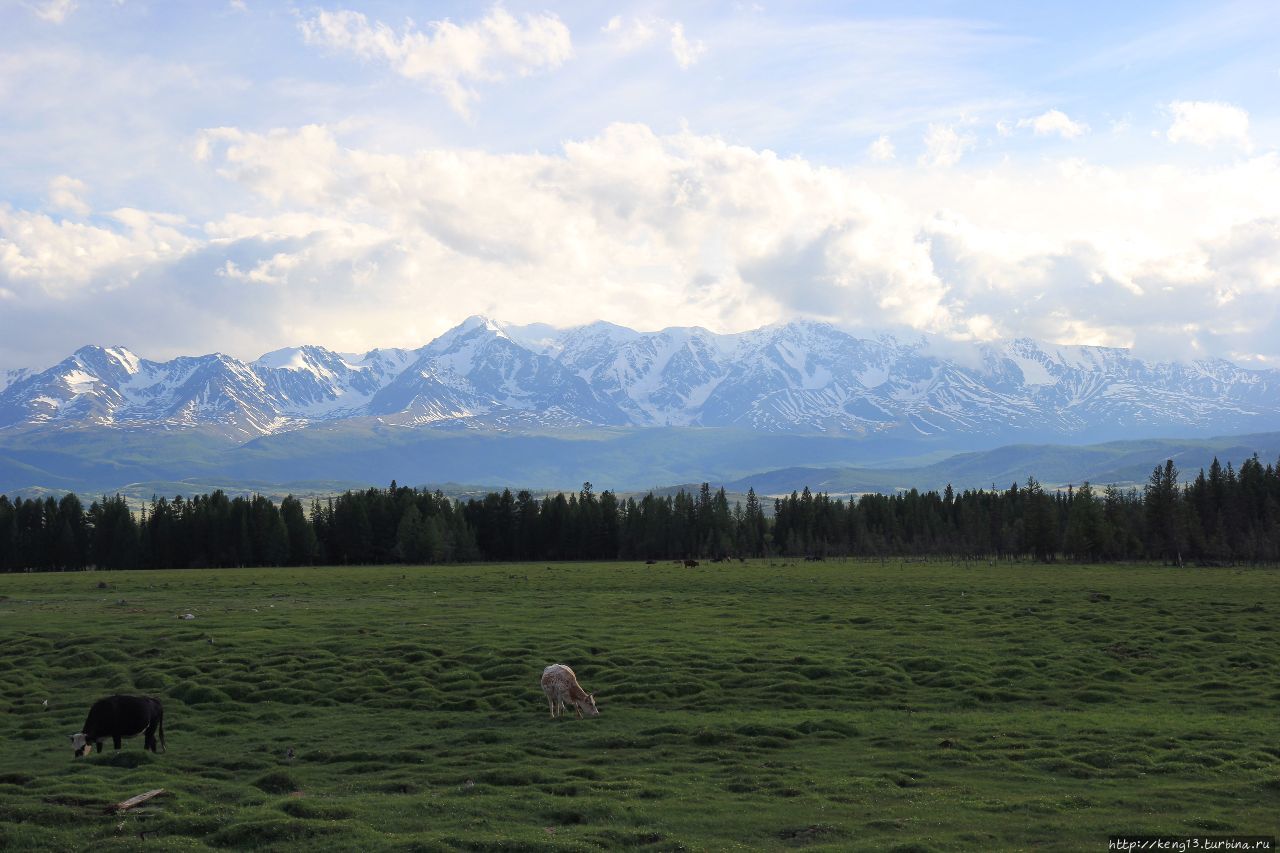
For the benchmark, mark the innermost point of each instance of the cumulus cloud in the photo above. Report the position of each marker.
(65, 195)
(349, 247)
(59, 257)
(1054, 121)
(882, 150)
(685, 51)
(944, 145)
(447, 56)
(301, 165)
(629, 34)
(637, 226)
(1209, 123)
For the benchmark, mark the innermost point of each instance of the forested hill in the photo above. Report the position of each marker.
(1221, 515)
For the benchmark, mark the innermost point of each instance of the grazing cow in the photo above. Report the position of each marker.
(561, 686)
(118, 717)
(691, 564)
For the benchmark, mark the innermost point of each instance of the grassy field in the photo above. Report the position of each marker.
(772, 705)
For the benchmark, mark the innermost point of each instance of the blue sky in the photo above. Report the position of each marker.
(240, 176)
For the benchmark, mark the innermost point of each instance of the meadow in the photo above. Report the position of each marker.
(772, 705)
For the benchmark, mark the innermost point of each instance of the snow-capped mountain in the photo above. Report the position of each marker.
(802, 377)
(476, 371)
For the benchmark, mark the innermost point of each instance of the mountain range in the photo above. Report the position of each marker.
(533, 405)
(799, 378)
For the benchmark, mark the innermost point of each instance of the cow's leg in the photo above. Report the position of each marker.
(552, 704)
(149, 738)
(116, 740)
(99, 745)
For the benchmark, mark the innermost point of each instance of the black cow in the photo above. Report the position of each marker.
(118, 717)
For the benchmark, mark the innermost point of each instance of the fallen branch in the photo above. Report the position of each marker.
(135, 801)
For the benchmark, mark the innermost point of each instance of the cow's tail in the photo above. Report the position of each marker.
(160, 731)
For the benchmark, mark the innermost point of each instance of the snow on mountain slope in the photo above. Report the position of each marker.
(658, 378)
(800, 377)
(476, 369)
(313, 382)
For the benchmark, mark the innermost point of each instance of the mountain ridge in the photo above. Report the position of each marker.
(802, 377)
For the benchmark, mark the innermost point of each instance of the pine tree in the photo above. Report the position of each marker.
(1165, 537)
(1039, 527)
(412, 537)
(1084, 538)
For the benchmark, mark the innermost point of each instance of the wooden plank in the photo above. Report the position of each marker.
(136, 801)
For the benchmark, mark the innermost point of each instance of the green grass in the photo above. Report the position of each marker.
(773, 705)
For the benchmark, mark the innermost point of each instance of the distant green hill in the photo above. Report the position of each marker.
(1117, 462)
(356, 454)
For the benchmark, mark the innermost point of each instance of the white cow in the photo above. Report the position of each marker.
(561, 687)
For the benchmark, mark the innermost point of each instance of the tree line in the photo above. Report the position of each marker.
(1223, 515)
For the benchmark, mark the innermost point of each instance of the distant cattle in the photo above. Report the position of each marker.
(561, 687)
(691, 564)
(119, 717)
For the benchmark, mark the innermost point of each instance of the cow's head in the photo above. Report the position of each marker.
(589, 706)
(80, 744)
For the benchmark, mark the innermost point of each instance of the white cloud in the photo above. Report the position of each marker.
(61, 257)
(349, 247)
(1209, 123)
(686, 52)
(645, 229)
(272, 270)
(882, 150)
(65, 195)
(629, 34)
(54, 11)
(294, 166)
(449, 57)
(944, 145)
(1054, 121)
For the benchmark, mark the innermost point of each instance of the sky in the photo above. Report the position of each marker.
(188, 177)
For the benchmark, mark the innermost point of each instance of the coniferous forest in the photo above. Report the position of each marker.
(1222, 516)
